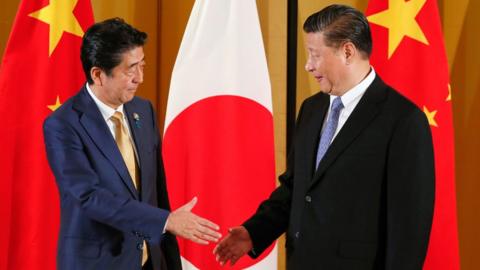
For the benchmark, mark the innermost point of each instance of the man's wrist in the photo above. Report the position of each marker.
(165, 226)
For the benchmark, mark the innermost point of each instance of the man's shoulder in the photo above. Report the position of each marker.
(399, 102)
(398, 106)
(66, 109)
(71, 110)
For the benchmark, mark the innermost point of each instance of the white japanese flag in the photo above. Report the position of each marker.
(218, 141)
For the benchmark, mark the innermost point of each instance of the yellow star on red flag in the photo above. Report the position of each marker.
(430, 116)
(59, 15)
(55, 106)
(400, 20)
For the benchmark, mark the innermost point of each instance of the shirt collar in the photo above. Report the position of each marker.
(357, 90)
(105, 110)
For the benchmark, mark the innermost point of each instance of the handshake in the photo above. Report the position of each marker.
(182, 222)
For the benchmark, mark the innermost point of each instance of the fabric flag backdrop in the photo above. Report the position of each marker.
(218, 142)
(409, 54)
(40, 69)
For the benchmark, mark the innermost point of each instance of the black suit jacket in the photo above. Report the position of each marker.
(104, 219)
(369, 205)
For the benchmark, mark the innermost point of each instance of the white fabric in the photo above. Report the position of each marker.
(220, 36)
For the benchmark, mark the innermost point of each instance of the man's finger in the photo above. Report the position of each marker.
(208, 223)
(234, 260)
(206, 236)
(198, 240)
(215, 250)
(221, 259)
(222, 254)
(209, 232)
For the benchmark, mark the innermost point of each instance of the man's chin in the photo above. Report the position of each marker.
(326, 90)
(129, 97)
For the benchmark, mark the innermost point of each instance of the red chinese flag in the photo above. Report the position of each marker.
(40, 69)
(409, 54)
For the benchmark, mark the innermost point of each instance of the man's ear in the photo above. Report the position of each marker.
(96, 73)
(349, 51)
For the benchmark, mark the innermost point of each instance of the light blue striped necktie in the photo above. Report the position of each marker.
(329, 130)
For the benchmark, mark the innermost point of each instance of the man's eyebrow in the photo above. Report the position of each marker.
(136, 63)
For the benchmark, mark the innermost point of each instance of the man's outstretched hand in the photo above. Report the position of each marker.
(182, 222)
(236, 244)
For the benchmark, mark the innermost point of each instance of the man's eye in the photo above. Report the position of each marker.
(130, 71)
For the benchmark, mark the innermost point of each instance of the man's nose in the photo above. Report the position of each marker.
(309, 67)
(138, 76)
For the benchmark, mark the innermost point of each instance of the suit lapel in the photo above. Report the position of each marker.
(311, 138)
(96, 127)
(135, 130)
(362, 115)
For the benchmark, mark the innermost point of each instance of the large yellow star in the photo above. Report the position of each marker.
(430, 116)
(55, 106)
(399, 18)
(59, 15)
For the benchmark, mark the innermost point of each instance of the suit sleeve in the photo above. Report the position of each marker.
(271, 218)
(410, 189)
(273, 215)
(76, 179)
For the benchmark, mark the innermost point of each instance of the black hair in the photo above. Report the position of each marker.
(340, 24)
(104, 43)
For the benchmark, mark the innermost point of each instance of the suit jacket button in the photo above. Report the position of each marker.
(308, 198)
(297, 235)
(140, 246)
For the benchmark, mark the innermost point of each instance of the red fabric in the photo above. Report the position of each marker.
(30, 80)
(420, 72)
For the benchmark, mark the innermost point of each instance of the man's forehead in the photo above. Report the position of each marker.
(314, 39)
(133, 56)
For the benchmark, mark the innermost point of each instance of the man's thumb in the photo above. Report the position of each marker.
(189, 206)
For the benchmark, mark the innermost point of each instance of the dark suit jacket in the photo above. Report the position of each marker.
(104, 219)
(369, 205)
